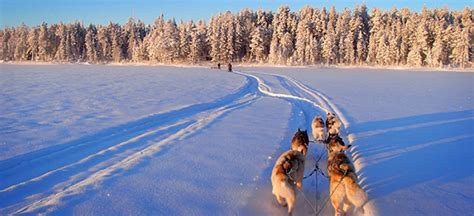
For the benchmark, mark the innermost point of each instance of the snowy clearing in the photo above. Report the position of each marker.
(93, 139)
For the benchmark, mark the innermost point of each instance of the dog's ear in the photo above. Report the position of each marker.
(286, 165)
(299, 130)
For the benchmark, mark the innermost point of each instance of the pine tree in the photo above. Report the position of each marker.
(376, 28)
(92, 45)
(77, 36)
(362, 25)
(304, 35)
(153, 41)
(460, 55)
(440, 53)
(198, 46)
(342, 30)
(257, 45)
(287, 48)
(129, 38)
(185, 39)
(214, 35)
(33, 44)
(63, 53)
(21, 48)
(329, 46)
(43, 48)
(261, 37)
(116, 40)
(383, 52)
(283, 28)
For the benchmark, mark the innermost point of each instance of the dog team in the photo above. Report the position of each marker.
(288, 172)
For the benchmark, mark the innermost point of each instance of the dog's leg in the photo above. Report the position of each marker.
(337, 203)
(299, 184)
(346, 206)
(291, 204)
(280, 200)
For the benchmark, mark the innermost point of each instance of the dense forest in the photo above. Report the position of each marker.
(432, 38)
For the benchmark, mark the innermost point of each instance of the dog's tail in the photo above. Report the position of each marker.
(355, 194)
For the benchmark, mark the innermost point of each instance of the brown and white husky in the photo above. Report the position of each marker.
(333, 125)
(346, 193)
(317, 127)
(287, 176)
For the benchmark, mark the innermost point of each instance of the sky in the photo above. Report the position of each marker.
(34, 12)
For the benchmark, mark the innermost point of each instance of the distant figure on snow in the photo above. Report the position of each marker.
(230, 67)
(218, 65)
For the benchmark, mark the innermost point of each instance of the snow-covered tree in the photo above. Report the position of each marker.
(92, 48)
(117, 42)
(329, 46)
(257, 45)
(43, 42)
(461, 47)
(304, 35)
(198, 46)
(261, 37)
(287, 48)
(383, 52)
(21, 49)
(432, 38)
(185, 39)
(282, 44)
(376, 32)
(33, 44)
(214, 35)
(63, 52)
(342, 30)
(104, 44)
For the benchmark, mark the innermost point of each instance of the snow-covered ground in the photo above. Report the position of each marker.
(103, 140)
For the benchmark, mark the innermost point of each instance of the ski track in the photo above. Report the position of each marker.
(129, 144)
(107, 153)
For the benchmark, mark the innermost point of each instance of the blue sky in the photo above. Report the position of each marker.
(33, 12)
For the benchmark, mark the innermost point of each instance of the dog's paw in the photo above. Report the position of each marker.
(299, 185)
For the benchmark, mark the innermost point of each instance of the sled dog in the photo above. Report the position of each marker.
(317, 127)
(333, 125)
(300, 141)
(346, 193)
(287, 175)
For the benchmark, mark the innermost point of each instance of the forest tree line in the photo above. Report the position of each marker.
(433, 38)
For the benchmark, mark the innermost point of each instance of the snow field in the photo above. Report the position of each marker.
(166, 140)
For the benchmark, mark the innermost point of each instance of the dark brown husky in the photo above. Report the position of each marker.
(300, 141)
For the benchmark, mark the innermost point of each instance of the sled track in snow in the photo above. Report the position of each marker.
(321, 102)
(33, 185)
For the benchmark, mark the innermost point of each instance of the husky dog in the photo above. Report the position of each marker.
(300, 141)
(342, 178)
(287, 174)
(333, 125)
(318, 128)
